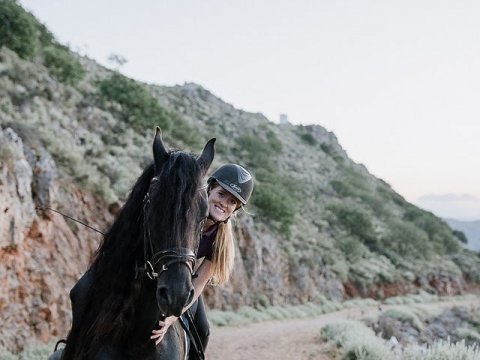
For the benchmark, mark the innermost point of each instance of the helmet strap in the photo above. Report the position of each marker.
(218, 222)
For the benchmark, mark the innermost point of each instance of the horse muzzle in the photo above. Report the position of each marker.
(174, 294)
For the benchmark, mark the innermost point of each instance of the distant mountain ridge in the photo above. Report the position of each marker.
(456, 206)
(471, 229)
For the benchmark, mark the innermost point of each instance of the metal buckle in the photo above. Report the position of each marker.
(150, 273)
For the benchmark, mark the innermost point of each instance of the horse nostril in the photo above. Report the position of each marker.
(162, 294)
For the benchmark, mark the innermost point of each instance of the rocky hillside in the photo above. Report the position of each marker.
(74, 136)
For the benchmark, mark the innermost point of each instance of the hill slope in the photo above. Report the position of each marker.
(74, 136)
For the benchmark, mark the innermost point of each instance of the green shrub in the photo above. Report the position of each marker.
(405, 240)
(21, 32)
(442, 350)
(356, 341)
(184, 132)
(258, 152)
(354, 184)
(460, 236)
(357, 222)
(18, 30)
(353, 249)
(275, 197)
(226, 318)
(439, 233)
(405, 315)
(421, 297)
(274, 203)
(61, 64)
(341, 188)
(329, 150)
(373, 269)
(139, 109)
(33, 351)
(305, 134)
(469, 264)
(273, 141)
(386, 193)
(309, 139)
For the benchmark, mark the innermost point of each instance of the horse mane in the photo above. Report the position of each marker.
(114, 293)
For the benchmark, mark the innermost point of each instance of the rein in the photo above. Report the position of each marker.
(69, 217)
(163, 258)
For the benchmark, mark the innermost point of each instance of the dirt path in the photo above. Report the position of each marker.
(297, 339)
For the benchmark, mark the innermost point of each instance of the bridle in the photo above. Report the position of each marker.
(161, 259)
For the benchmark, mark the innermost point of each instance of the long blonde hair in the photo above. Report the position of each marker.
(223, 256)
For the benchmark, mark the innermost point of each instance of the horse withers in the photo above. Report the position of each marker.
(142, 271)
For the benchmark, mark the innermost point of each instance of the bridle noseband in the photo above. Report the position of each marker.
(163, 258)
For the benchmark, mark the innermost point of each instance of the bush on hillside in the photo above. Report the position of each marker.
(18, 30)
(342, 188)
(138, 108)
(330, 151)
(62, 64)
(460, 235)
(405, 240)
(357, 222)
(439, 233)
(22, 33)
(259, 152)
(355, 184)
(387, 194)
(353, 249)
(305, 134)
(469, 264)
(274, 199)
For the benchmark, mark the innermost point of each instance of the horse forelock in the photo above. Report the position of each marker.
(174, 207)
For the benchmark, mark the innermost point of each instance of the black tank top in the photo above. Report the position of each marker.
(205, 248)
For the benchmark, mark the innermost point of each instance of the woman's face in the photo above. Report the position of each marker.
(221, 204)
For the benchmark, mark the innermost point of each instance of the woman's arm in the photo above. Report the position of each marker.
(204, 272)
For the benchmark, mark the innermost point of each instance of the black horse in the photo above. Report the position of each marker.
(142, 271)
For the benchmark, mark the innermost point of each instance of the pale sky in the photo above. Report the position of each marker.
(398, 82)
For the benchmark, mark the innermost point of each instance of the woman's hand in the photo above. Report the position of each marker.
(157, 335)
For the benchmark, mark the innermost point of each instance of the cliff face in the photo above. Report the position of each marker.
(319, 224)
(41, 255)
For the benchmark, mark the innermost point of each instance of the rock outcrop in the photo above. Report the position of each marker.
(41, 254)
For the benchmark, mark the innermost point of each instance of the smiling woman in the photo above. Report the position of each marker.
(229, 188)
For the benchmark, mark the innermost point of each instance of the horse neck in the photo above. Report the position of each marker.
(147, 313)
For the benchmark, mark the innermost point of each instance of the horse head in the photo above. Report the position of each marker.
(175, 207)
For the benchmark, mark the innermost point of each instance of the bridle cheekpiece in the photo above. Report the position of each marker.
(163, 258)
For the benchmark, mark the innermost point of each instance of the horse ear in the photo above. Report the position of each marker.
(206, 157)
(159, 152)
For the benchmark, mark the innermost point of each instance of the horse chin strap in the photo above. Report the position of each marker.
(163, 258)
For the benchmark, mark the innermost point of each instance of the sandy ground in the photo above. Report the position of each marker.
(296, 339)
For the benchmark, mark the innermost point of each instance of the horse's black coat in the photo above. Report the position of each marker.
(114, 313)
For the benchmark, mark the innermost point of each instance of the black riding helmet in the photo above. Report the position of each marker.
(234, 179)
